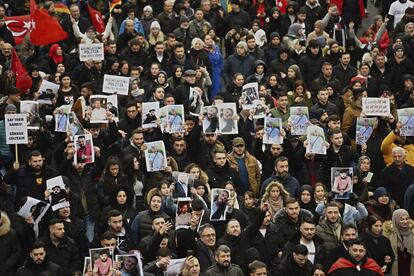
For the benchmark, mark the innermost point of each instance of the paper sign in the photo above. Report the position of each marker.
(250, 92)
(376, 106)
(406, 118)
(16, 128)
(94, 51)
(299, 118)
(273, 127)
(316, 140)
(115, 85)
(364, 129)
(341, 182)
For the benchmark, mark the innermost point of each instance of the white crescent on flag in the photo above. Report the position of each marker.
(19, 26)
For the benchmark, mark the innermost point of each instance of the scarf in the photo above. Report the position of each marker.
(52, 54)
(404, 234)
(275, 205)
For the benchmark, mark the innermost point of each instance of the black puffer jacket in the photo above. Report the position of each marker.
(66, 254)
(49, 268)
(311, 65)
(217, 177)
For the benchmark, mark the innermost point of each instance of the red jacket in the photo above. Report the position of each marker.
(340, 3)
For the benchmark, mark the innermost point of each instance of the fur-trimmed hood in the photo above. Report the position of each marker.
(388, 227)
(5, 227)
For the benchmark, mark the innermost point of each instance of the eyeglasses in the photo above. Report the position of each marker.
(209, 235)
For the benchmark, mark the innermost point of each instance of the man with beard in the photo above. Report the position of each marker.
(121, 229)
(223, 266)
(296, 263)
(330, 226)
(30, 180)
(281, 174)
(38, 263)
(238, 240)
(307, 237)
(355, 262)
(348, 233)
(61, 249)
(221, 172)
(246, 165)
(75, 228)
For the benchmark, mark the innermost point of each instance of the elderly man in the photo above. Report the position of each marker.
(398, 175)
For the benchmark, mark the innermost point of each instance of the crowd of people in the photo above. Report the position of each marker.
(83, 197)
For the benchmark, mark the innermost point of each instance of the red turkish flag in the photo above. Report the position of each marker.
(96, 19)
(19, 26)
(46, 29)
(23, 80)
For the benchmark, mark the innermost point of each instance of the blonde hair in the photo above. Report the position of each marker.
(283, 193)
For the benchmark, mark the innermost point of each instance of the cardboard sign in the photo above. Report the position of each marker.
(16, 128)
(115, 85)
(376, 106)
(94, 51)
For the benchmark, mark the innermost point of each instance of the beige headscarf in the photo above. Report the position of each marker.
(404, 234)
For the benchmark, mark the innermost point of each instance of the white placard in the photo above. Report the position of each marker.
(16, 128)
(115, 85)
(376, 106)
(316, 140)
(94, 51)
(406, 118)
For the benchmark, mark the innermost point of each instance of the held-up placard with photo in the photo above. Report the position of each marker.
(74, 125)
(183, 216)
(87, 266)
(341, 182)
(376, 106)
(48, 90)
(57, 197)
(129, 262)
(98, 106)
(35, 208)
(16, 128)
(273, 128)
(259, 109)
(84, 153)
(316, 140)
(116, 85)
(163, 118)
(250, 92)
(112, 106)
(175, 118)
(196, 101)
(210, 120)
(155, 156)
(149, 114)
(299, 118)
(101, 259)
(219, 204)
(227, 118)
(31, 109)
(91, 51)
(364, 129)
(183, 182)
(406, 118)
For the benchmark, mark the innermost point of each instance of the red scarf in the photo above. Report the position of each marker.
(52, 54)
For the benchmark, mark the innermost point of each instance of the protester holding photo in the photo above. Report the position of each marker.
(210, 120)
(98, 110)
(84, 150)
(219, 204)
(342, 184)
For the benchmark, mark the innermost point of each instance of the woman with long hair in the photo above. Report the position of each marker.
(110, 179)
(276, 195)
(68, 93)
(122, 199)
(299, 96)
